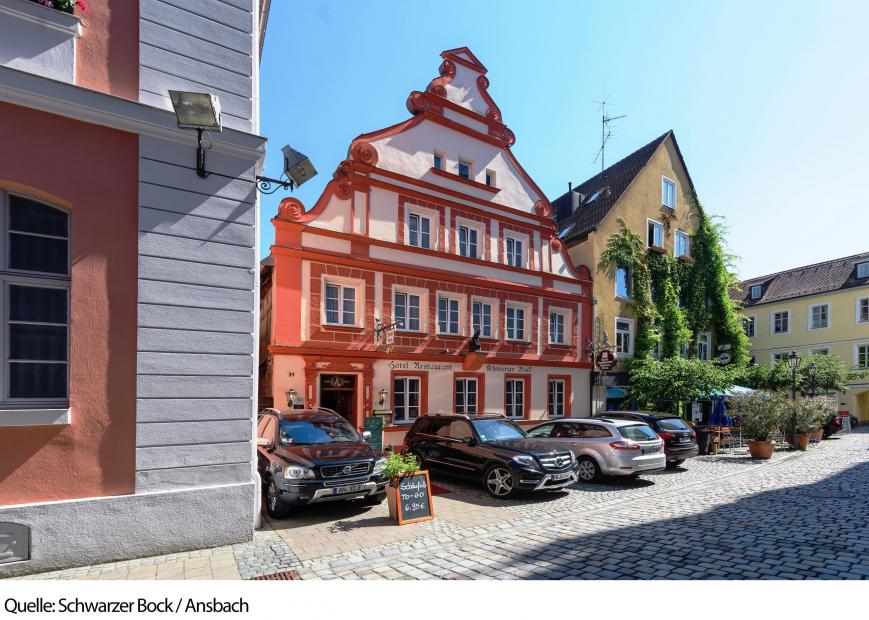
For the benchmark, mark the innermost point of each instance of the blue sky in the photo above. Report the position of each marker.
(769, 101)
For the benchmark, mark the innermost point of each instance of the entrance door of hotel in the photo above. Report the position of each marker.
(338, 392)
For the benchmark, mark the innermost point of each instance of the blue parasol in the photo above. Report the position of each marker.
(719, 416)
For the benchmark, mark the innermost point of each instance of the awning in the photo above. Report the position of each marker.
(616, 392)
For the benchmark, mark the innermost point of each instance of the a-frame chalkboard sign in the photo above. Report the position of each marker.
(413, 498)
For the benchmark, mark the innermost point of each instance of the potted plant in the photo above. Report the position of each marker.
(761, 414)
(397, 466)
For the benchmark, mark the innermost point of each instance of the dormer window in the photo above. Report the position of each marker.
(756, 291)
(438, 162)
(863, 270)
(490, 178)
(465, 168)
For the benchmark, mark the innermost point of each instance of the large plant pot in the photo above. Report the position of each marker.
(391, 499)
(760, 449)
(802, 441)
(818, 434)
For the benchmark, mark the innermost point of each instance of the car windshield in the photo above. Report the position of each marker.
(496, 429)
(672, 424)
(307, 432)
(637, 432)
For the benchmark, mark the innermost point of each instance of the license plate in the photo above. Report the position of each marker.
(684, 439)
(651, 450)
(563, 476)
(350, 488)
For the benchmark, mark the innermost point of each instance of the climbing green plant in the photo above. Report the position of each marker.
(710, 280)
(690, 295)
(626, 249)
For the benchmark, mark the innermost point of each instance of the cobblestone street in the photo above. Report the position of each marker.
(797, 516)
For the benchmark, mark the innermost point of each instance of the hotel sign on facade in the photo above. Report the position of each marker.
(433, 229)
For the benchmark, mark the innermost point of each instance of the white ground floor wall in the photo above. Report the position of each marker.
(91, 531)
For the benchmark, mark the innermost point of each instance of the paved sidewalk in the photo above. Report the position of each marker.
(798, 516)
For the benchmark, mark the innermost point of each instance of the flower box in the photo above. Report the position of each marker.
(38, 39)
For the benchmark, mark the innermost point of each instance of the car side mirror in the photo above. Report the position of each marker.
(366, 435)
(469, 440)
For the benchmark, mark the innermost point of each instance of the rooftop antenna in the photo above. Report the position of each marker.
(605, 133)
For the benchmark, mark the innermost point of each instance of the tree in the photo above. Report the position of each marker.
(833, 375)
(672, 381)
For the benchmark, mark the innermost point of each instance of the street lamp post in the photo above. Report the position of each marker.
(794, 363)
(813, 374)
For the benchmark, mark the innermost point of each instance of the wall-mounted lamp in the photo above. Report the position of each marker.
(297, 169)
(291, 397)
(383, 395)
(199, 111)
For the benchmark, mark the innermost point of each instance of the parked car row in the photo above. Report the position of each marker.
(309, 456)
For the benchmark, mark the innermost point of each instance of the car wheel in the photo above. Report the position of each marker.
(588, 470)
(373, 500)
(498, 481)
(274, 506)
(674, 464)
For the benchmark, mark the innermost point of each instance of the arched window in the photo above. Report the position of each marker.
(34, 303)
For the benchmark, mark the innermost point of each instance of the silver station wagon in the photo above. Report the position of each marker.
(605, 447)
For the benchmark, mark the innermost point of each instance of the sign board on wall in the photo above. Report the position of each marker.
(374, 425)
(696, 412)
(606, 361)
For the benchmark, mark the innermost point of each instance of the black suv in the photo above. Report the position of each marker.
(489, 448)
(680, 441)
(314, 455)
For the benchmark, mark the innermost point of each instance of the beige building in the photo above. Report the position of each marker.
(822, 308)
(651, 191)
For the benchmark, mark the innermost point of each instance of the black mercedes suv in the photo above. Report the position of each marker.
(491, 449)
(314, 455)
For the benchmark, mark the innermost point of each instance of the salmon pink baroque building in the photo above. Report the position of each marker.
(429, 232)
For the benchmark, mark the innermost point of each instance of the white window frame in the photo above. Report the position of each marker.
(681, 234)
(708, 343)
(630, 351)
(470, 225)
(423, 308)
(659, 226)
(759, 288)
(857, 318)
(753, 319)
(772, 356)
(31, 411)
(550, 401)
(465, 392)
(523, 255)
(629, 280)
(772, 322)
(467, 162)
(526, 321)
(493, 312)
(521, 393)
(566, 316)
(460, 324)
(405, 418)
(434, 221)
(857, 347)
(664, 181)
(817, 350)
(865, 267)
(829, 317)
(359, 300)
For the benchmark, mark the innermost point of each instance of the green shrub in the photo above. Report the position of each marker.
(761, 413)
(398, 465)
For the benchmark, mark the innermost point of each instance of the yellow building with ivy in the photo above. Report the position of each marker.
(651, 191)
(816, 309)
